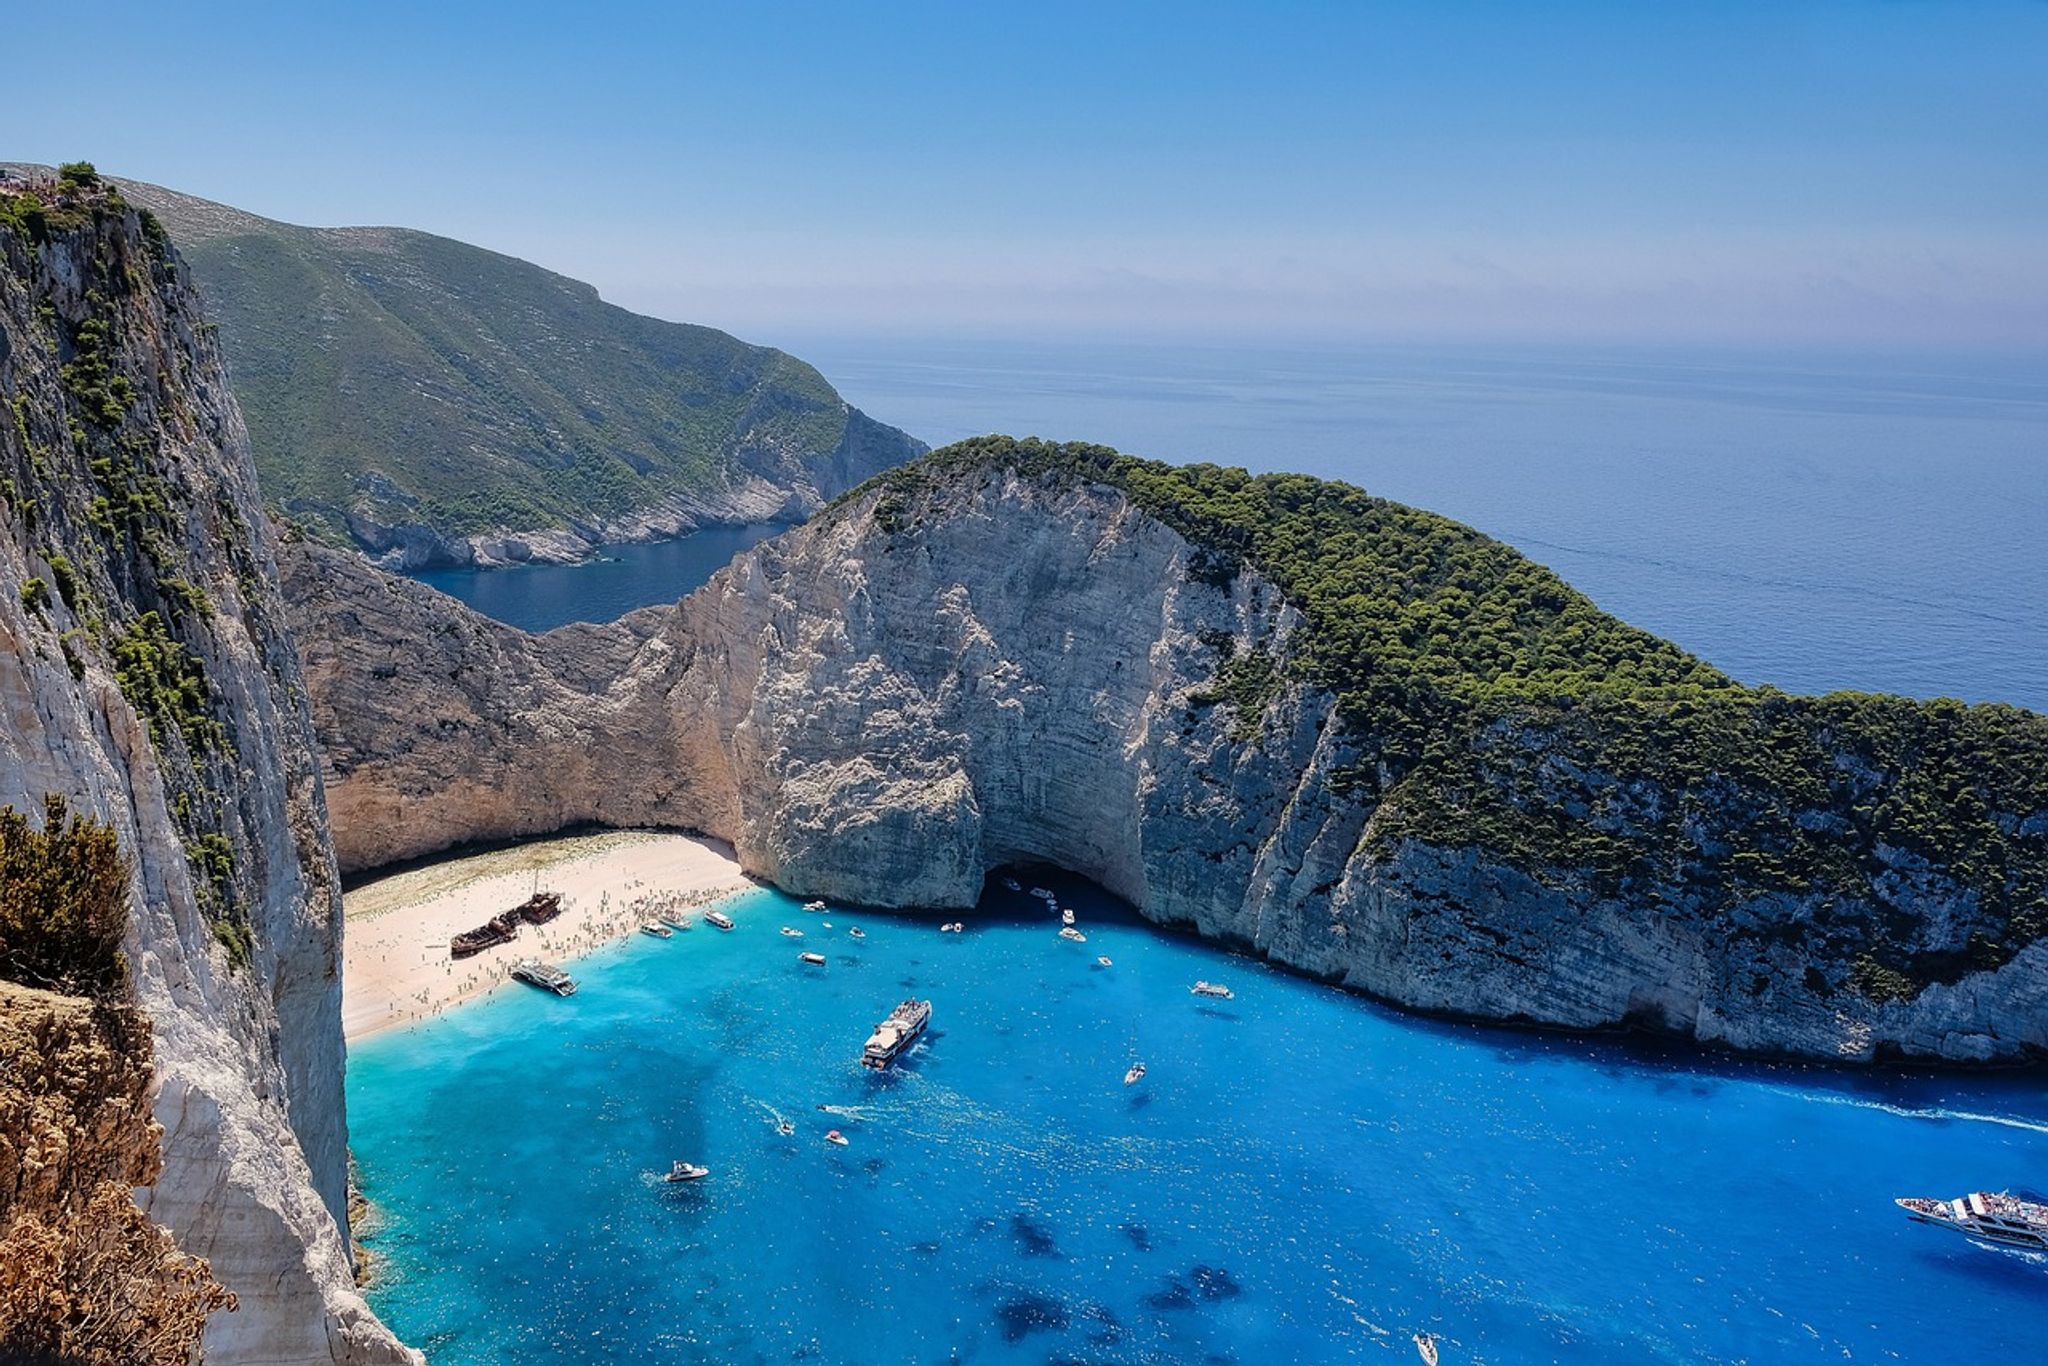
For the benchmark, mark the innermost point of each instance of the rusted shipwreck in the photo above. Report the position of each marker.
(537, 909)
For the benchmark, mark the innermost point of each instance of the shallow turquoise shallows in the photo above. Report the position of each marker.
(1301, 1175)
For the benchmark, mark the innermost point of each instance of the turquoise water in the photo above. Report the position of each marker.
(1301, 1176)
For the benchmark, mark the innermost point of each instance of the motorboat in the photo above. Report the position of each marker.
(1068, 932)
(816, 960)
(1425, 1347)
(788, 933)
(1066, 915)
(1135, 1075)
(718, 918)
(785, 1128)
(953, 927)
(858, 933)
(686, 1171)
(657, 929)
(1993, 1217)
(1042, 894)
(1216, 989)
(814, 905)
(834, 1136)
(1102, 961)
(1012, 884)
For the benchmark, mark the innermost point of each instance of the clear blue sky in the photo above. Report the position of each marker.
(1860, 171)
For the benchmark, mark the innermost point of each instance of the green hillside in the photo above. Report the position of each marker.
(393, 377)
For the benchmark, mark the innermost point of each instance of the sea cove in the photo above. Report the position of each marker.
(1301, 1175)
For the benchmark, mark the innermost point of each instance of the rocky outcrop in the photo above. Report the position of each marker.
(146, 675)
(888, 703)
(85, 1277)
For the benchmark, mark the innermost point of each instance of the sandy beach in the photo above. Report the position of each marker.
(395, 959)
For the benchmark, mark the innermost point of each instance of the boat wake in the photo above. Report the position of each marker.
(1907, 1112)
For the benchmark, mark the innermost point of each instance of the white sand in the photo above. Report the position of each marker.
(395, 963)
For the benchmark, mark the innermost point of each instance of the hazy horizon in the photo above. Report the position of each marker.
(1821, 173)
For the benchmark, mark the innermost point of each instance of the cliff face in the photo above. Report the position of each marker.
(891, 701)
(147, 676)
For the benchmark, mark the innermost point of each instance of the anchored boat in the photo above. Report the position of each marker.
(816, 960)
(718, 918)
(657, 929)
(546, 976)
(686, 1171)
(1068, 932)
(1216, 989)
(675, 920)
(1996, 1218)
(788, 933)
(814, 905)
(896, 1033)
(1135, 1075)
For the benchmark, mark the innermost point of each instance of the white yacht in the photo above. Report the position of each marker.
(816, 960)
(657, 929)
(1068, 932)
(814, 905)
(685, 1171)
(1996, 1218)
(718, 918)
(788, 933)
(1135, 1075)
(1216, 989)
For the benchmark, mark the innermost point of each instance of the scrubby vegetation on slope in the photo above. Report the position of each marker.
(1494, 706)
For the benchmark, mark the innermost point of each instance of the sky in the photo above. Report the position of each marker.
(1868, 173)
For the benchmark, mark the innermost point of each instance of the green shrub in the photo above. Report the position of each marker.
(63, 901)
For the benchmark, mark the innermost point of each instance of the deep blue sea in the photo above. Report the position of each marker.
(1301, 1176)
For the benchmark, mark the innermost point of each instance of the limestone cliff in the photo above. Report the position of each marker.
(146, 675)
(1010, 659)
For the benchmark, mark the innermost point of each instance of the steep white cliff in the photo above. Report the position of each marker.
(886, 704)
(146, 675)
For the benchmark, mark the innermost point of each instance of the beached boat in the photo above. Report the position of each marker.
(675, 920)
(1135, 1075)
(1994, 1217)
(546, 976)
(816, 960)
(788, 933)
(657, 929)
(834, 1136)
(1068, 932)
(814, 905)
(685, 1171)
(896, 1033)
(718, 918)
(1216, 989)
(539, 908)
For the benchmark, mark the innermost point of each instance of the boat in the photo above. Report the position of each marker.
(1042, 894)
(1425, 1347)
(953, 927)
(1012, 884)
(1135, 1075)
(816, 960)
(814, 905)
(1994, 1217)
(1066, 915)
(834, 1136)
(657, 929)
(718, 918)
(499, 929)
(1102, 961)
(546, 976)
(1216, 989)
(896, 1033)
(539, 908)
(1070, 933)
(685, 1171)
(788, 933)
(785, 1128)
(858, 933)
(675, 920)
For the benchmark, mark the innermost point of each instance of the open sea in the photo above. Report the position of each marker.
(1302, 1175)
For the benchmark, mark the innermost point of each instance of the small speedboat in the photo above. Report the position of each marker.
(1216, 989)
(816, 960)
(718, 918)
(685, 1171)
(1066, 915)
(1070, 933)
(858, 933)
(1135, 1075)
(1012, 884)
(785, 1128)
(676, 920)
(657, 929)
(1103, 961)
(1425, 1347)
(953, 927)
(834, 1136)
(814, 905)
(788, 933)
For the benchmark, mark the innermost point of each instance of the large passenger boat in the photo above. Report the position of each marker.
(1996, 1218)
(896, 1033)
(546, 976)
